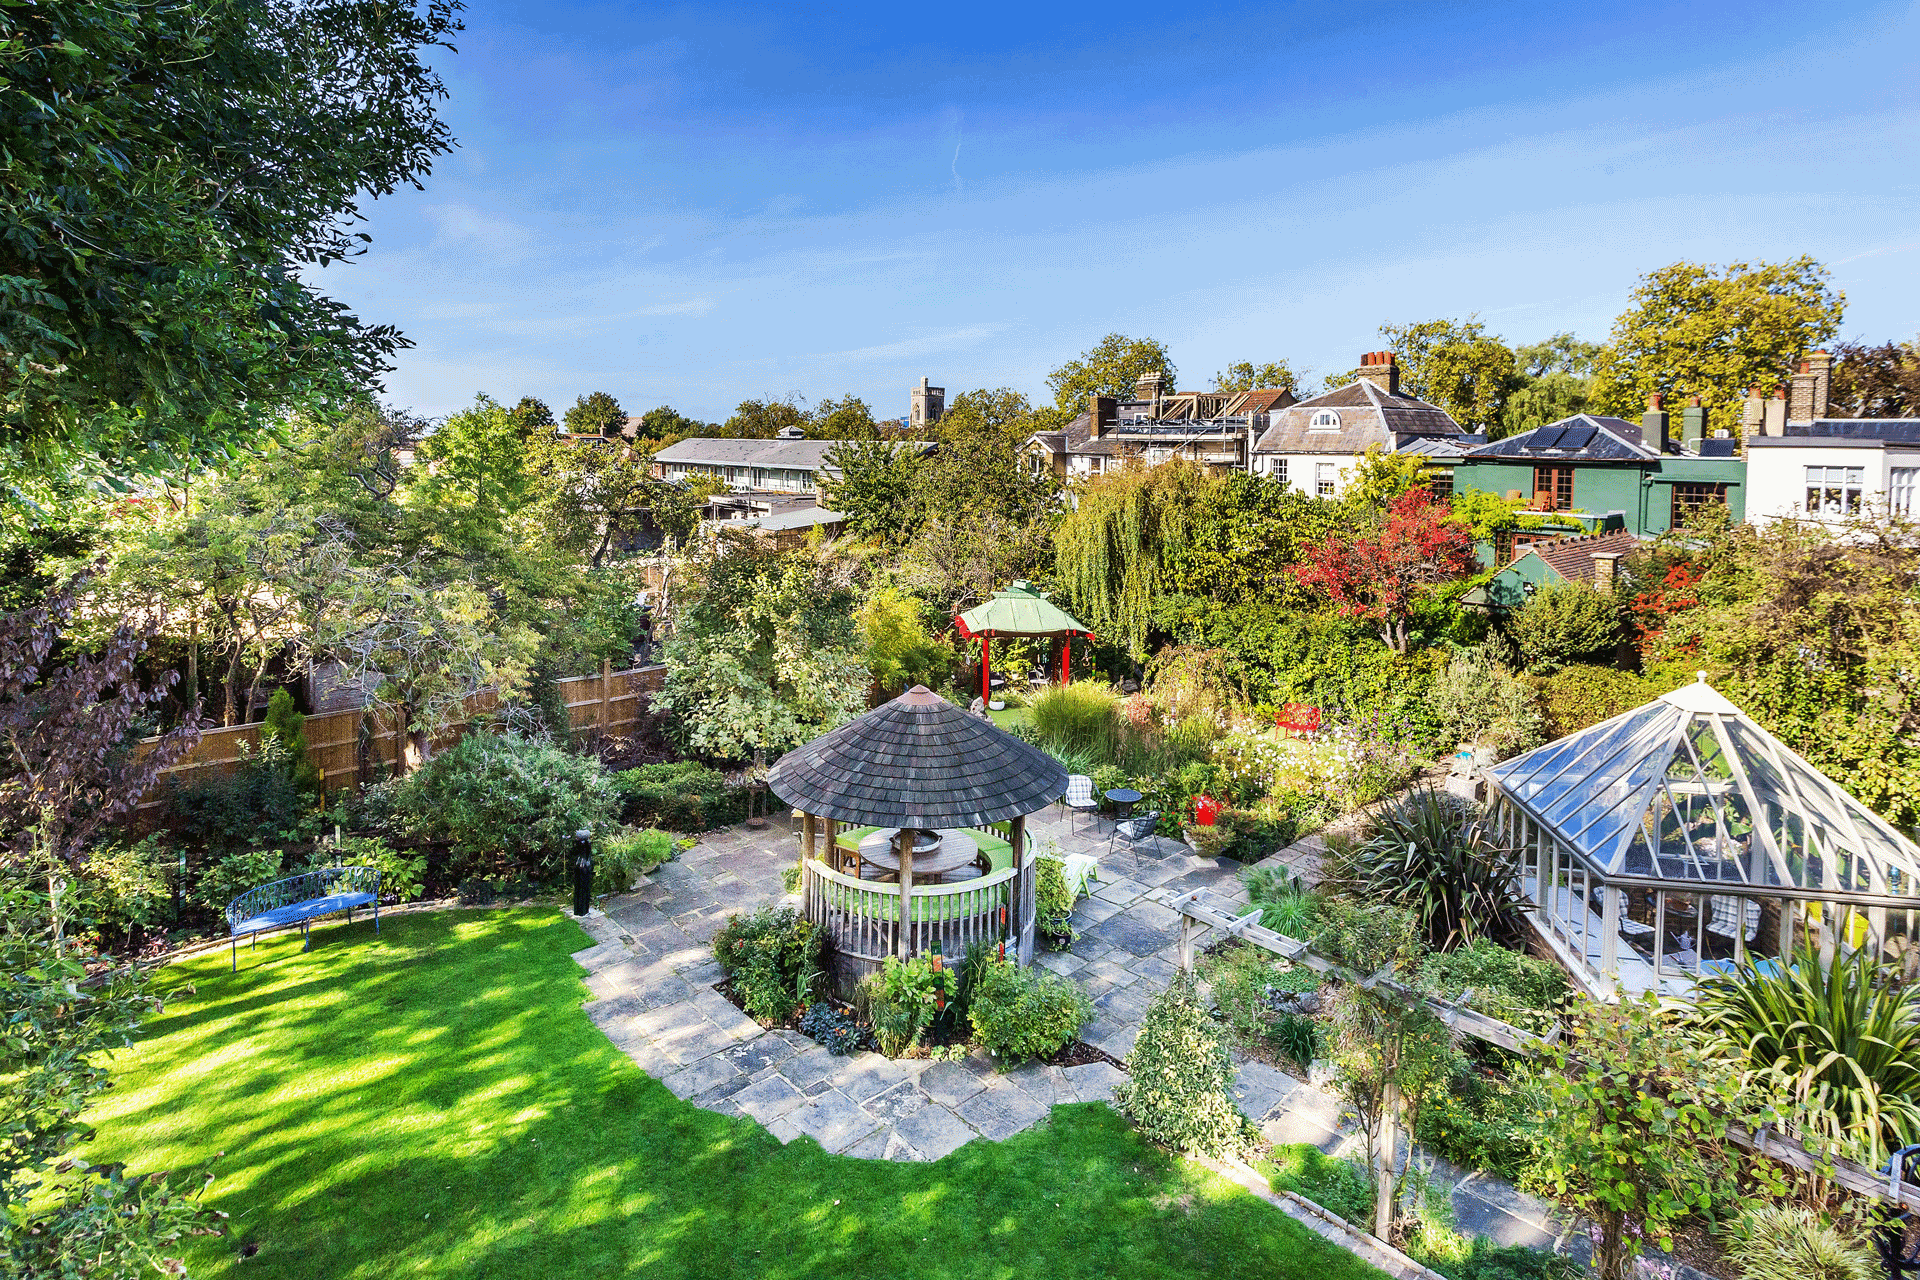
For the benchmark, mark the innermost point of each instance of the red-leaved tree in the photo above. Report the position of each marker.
(66, 762)
(1381, 571)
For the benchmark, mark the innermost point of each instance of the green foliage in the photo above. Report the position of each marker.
(1508, 985)
(1870, 381)
(1025, 1013)
(1287, 905)
(1842, 1043)
(595, 414)
(1244, 375)
(1564, 622)
(900, 653)
(1116, 547)
(1179, 1088)
(1266, 1004)
(775, 959)
(63, 1014)
(1577, 696)
(1430, 854)
(233, 875)
(1634, 1132)
(257, 803)
(1455, 364)
(401, 874)
(1243, 835)
(979, 471)
(478, 461)
(765, 653)
(505, 794)
(1053, 902)
(1477, 700)
(1341, 1187)
(1081, 717)
(619, 857)
(288, 727)
(1788, 1242)
(1481, 1121)
(168, 217)
(681, 796)
(879, 489)
(128, 885)
(1111, 367)
(1713, 332)
(905, 998)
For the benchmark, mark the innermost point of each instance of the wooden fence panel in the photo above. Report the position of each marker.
(596, 704)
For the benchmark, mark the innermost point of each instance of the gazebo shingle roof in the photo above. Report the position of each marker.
(918, 761)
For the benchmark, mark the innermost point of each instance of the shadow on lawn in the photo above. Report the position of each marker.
(436, 1103)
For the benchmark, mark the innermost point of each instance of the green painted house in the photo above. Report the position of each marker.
(1598, 467)
(1593, 559)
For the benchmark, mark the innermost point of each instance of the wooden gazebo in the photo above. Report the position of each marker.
(924, 768)
(1019, 611)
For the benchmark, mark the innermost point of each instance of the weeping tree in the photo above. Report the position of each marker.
(1118, 547)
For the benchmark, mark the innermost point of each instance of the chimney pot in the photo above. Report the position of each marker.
(1654, 400)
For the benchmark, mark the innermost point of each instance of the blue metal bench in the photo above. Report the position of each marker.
(298, 899)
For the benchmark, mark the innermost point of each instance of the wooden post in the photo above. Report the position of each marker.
(606, 696)
(1023, 892)
(806, 836)
(1383, 1206)
(905, 837)
(1186, 943)
(833, 844)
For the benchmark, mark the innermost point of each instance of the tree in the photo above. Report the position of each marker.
(1538, 401)
(979, 468)
(156, 308)
(764, 653)
(848, 418)
(533, 418)
(666, 424)
(598, 414)
(955, 563)
(478, 459)
(598, 491)
(900, 653)
(1875, 382)
(1712, 331)
(1109, 368)
(1383, 571)
(766, 419)
(1558, 353)
(878, 489)
(1564, 622)
(1455, 364)
(1247, 376)
(1634, 1131)
(1115, 547)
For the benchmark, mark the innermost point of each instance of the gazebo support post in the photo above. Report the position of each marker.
(832, 851)
(1066, 653)
(1023, 887)
(986, 693)
(905, 837)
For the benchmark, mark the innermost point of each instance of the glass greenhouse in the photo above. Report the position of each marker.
(1675, 839)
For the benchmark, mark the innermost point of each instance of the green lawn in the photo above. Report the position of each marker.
(1011, 716)
(433, 1102)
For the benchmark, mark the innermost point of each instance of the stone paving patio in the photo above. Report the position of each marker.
(652, 974)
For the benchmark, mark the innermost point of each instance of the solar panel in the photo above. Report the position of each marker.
(1546, 438)
(1576, 438)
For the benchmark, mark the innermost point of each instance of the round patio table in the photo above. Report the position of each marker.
(957, 850)
(1124, 798)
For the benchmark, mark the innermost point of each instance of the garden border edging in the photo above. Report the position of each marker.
(1330, 1227)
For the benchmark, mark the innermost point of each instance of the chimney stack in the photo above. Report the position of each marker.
(1809, 395)
(1148, 388)
(1379, 368)
(1605, 563)
(1101, 410)
(1693, 424)
(1653, 425)
(1753, 414)
(1774, 414)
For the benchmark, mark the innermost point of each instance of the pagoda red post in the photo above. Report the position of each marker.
(986, 695)
(1066, 653)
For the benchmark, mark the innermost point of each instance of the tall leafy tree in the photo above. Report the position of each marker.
(1382, 572)
(879, 489)
(1109, 368)
(978, 468)
(596, 414)
(173, 174)
(1455, 364)
(1875, 381)
(1248, 376)
(533, 418)
(848, 418)
(765, 419)
(1712, 331)
(1116, 547)
(477, 458)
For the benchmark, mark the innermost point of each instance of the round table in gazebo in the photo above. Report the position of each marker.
(919, 765)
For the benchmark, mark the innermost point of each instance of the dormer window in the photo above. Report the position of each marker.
(1324, 420)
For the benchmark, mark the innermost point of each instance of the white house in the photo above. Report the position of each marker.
(1831, 469)
(1315, 444)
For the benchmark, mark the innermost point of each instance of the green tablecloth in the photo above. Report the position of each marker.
(998, 848)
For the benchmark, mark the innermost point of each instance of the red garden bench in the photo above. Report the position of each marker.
(1298, 717)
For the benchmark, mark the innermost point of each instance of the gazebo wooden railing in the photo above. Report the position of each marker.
(863, 917)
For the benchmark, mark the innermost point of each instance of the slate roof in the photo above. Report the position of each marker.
(728, 451)
(794, 518)
(1063, 441)
(918, 761)
(1369, 415)
(1572, 558)
(1585, 437)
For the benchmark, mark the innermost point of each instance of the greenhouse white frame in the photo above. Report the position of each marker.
(1652, 815)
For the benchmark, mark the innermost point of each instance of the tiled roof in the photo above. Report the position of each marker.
(1369, 415)
(1572, 558)
(1585, 437)
(918, 761)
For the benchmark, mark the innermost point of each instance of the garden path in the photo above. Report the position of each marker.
(652, 975)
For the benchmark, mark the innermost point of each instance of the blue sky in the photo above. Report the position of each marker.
(697, 204)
